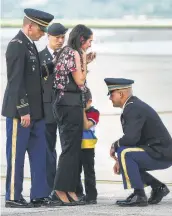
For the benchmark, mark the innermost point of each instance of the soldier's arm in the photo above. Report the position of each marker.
(16, 66)
(134, 120)
(47, 69)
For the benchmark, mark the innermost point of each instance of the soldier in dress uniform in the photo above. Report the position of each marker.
(56, 37)
(145, 146)
(23, 109)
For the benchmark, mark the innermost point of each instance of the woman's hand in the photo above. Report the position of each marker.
(84, 59)
(90, 57)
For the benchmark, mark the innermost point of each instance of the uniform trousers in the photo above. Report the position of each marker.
(134, 162)
(51, 159)
(20, 140)
(70, 125)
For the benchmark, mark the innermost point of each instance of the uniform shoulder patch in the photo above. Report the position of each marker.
(16, 40)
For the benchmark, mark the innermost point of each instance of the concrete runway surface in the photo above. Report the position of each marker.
(108, 194)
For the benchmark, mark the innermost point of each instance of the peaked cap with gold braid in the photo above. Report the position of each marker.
(118, 83)
(40, 17)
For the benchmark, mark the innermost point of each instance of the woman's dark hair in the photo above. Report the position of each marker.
(78, 36)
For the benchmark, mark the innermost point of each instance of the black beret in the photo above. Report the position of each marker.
(56, 29)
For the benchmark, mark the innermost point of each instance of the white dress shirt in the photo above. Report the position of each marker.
(51, 51)
(27, 37)
(125, 104)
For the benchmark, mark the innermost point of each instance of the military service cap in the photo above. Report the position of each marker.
(56, 29)
(41, 18)
(118, 83)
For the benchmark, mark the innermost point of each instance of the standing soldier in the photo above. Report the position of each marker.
(23, 109)
(56, 36)
(145, 146)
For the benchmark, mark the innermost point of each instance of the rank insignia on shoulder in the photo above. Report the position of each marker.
(17, 40)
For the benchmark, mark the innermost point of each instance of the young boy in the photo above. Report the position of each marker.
(89, 140)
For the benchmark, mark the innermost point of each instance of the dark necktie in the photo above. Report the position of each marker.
(36, 52)
(55, 53)
(34, 46)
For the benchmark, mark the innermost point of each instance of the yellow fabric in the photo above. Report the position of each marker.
(38, 21)
(123, 153)
(88, 143)
(13, 157)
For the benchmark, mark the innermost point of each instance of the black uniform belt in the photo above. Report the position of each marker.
(70, 91)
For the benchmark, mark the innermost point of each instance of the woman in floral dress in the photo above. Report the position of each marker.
(69, 83)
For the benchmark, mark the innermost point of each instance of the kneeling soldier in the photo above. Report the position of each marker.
(145, 146)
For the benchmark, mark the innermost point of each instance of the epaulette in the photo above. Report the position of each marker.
(16, 40)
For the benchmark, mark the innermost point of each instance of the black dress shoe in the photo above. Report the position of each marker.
(81, 197)
(38, 202)
(91, 202)
(136, 200)
(18, 204)
(78, 202)
(54, 200)
(23, 200)
(157, 194)
(126, 200)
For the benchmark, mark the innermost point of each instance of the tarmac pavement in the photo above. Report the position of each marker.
(108, 194)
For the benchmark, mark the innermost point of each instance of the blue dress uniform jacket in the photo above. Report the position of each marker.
(145, 146)
(47, 84)
(143, 128)
(23, 94)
